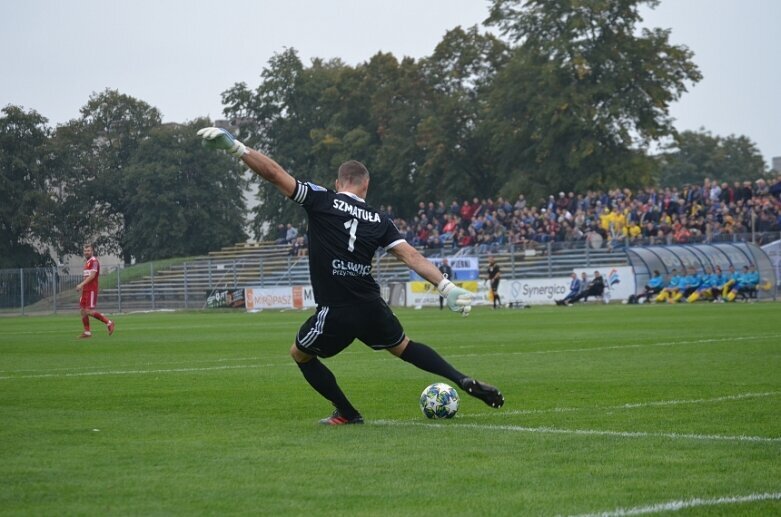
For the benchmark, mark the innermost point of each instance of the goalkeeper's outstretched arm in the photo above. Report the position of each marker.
(262, 165)
(270, 171)
(417, 262)
(458, 299)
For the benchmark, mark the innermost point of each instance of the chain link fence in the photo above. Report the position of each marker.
(149, 287)
(44, 290)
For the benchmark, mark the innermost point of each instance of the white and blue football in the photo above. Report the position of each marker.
(439, 401)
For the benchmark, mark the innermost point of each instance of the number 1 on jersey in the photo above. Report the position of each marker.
(352, 225)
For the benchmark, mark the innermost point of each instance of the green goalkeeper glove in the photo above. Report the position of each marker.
(218, 138)
(458, 299)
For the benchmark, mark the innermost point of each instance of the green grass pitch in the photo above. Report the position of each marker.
(609, 409)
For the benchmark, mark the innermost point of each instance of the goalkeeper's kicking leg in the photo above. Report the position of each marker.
(332, 329)
(427, 359)
(324, 382)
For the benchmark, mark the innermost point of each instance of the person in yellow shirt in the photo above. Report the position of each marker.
(671, 289)
(633, 231)
(604, 219)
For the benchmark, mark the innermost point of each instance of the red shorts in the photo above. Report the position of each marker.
(89, 299)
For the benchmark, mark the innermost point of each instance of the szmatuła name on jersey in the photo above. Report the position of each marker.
(360, 213)
(343, 268)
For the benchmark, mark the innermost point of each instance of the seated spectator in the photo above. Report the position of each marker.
(687, 286)
(672, 287)
(434, 240)
(653, 287)
(484, 243)
(422, 236)
(520, 203)
(681, 233)
(281, 235)
(450, 227)
(595, 288)
(409, 234)
(464, 239)
(439, 209)
(466, 212)
(762, 188)
(730, 278)
(291, 233)
(718, 281)
(562, 203)
(745, 285)
(705, 289)
(574, 290)
(298, 247)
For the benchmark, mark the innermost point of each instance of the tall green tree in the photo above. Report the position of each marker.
(311, 119)
(182, 199)
(278, 117)
(397, 98)
(697, 155)
(93, 152)
(454, 134)
(584, 94)
(24, 186)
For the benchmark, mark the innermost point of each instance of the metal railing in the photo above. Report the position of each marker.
(187, 285)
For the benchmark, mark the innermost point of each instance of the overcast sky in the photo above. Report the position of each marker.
(180, 55)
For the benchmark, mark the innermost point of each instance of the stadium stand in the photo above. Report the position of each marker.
(529, 240)
(268, 264)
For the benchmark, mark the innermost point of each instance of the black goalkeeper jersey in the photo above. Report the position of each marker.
(344, 233)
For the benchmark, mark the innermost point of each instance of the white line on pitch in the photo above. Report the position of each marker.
(76, 368)
(584, 432)
(137, 329)
(618, 347)
(632, 405)
(137, 372)
(672, 506)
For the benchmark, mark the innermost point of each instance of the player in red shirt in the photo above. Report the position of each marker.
(89, 293)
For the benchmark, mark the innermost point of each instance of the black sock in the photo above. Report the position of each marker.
(428, 359)
(497, 300)
(323, 381)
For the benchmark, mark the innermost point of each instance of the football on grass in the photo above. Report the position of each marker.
(439, 401)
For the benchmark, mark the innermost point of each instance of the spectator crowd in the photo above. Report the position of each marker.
(709, 212)
(712, 211)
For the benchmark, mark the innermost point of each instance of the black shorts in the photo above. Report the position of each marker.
(331, 329)
(495, 285)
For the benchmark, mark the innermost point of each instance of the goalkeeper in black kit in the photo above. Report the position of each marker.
(344, 233)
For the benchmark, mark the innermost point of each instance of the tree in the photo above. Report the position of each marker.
(584, 94)
(312, 119)
(24, 186)
(696, 155)
(382, 112)
(454, 133)
(277, 116)
(182, 199)
(93, 152)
